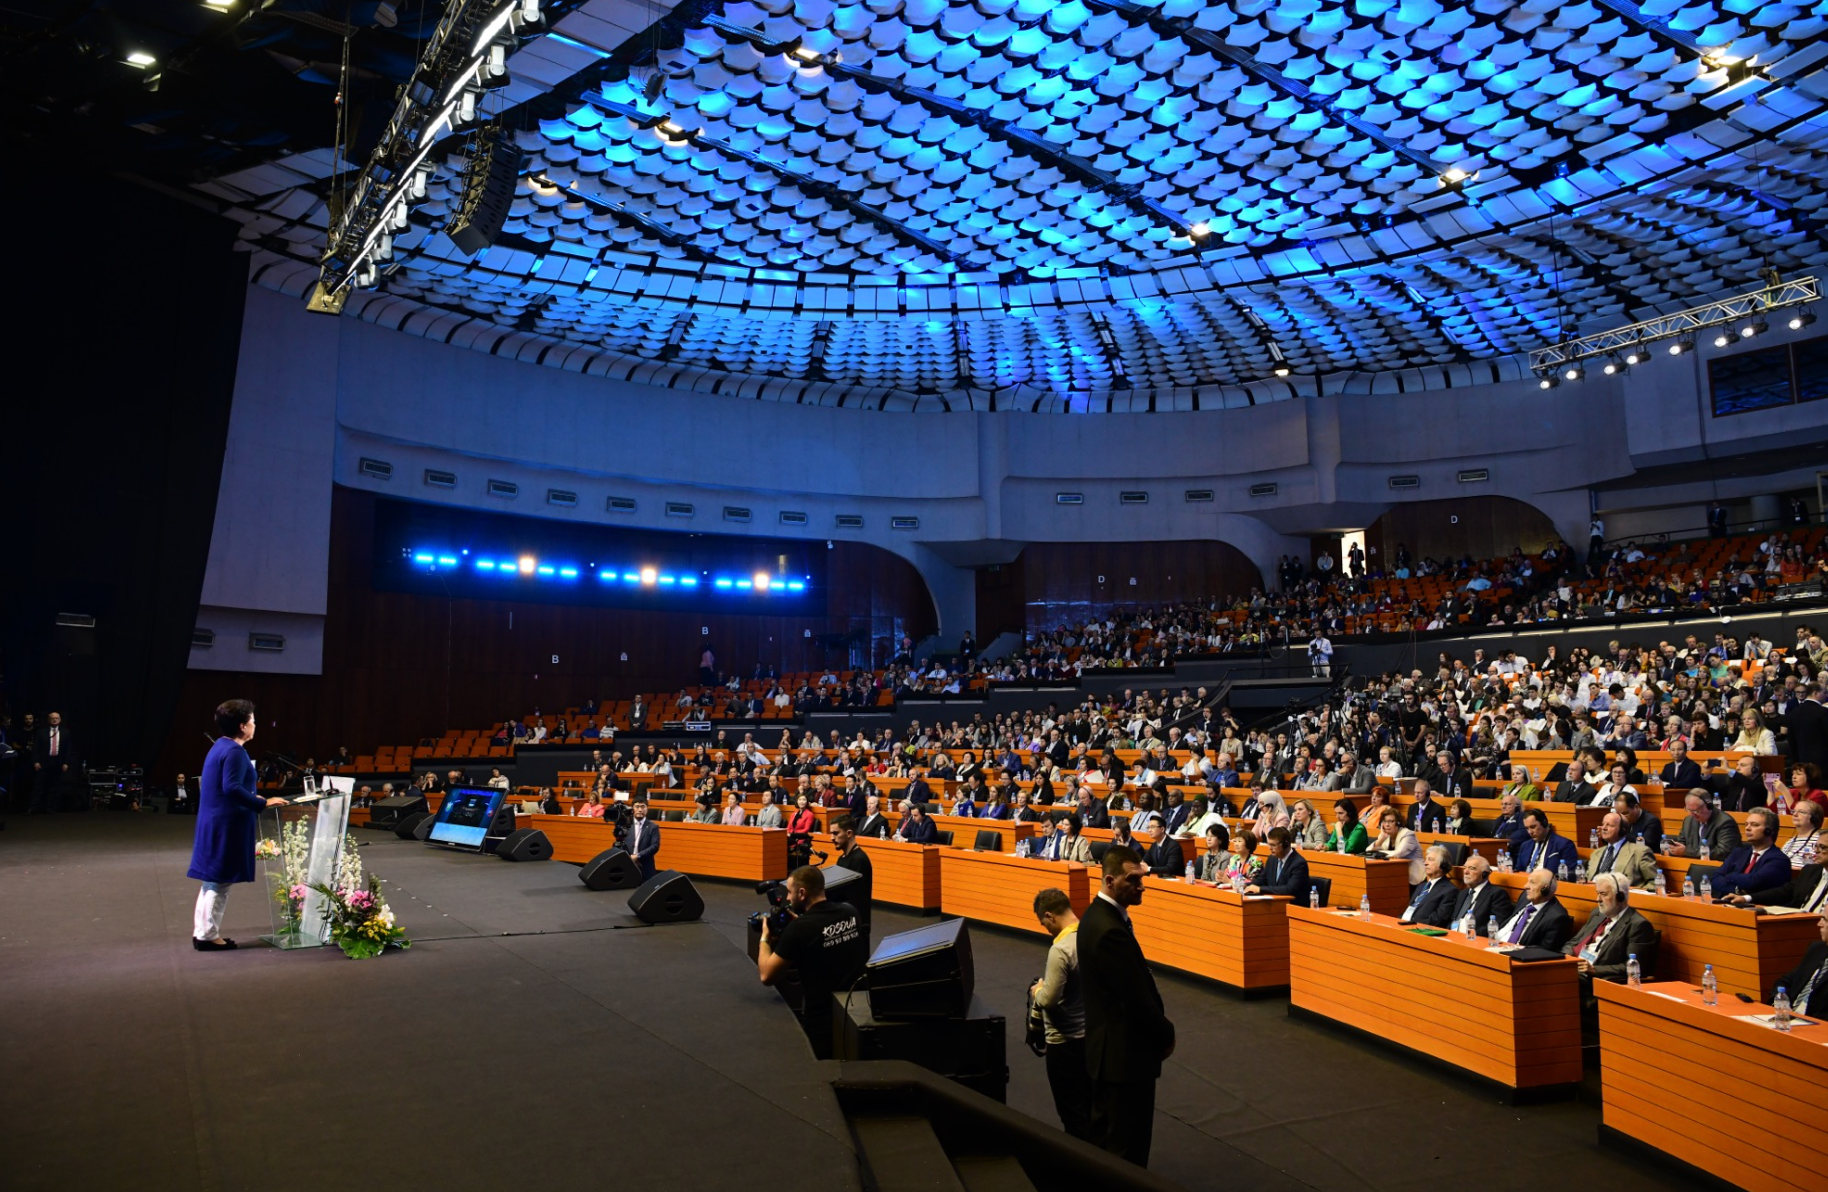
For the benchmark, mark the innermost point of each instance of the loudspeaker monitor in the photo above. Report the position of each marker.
(667, 897)
(612, 869)
(525, 844)
(423, 825)
(924, 973)
(388, 812)
(408, 827)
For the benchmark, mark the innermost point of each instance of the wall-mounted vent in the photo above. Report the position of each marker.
(1132, 498)
(437, 479)
(75, 620)
(678, 509)
(504, 488)
(736, 513)
(1198, 496)
(1263, 490)
(1405, 482)
(793, 517)
(271, 642)
(1475, 475)
(850, 521)
(380, 469)
(620, 505)
(558, 496)
(1069, 498)
(904, 523)
(202, 639)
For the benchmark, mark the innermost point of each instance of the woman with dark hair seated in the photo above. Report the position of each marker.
(1459, 818)
(1346, 829)
(1212, 863)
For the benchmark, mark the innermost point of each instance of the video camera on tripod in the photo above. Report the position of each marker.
(777, 916)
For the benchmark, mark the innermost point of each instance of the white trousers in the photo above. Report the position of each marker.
(212, 899)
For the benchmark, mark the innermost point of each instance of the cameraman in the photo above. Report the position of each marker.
(852, 856)
(824, 943)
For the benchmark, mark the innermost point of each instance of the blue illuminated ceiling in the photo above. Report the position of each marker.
(1102, 204)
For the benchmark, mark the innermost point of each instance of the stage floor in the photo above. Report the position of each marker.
(537, 1032)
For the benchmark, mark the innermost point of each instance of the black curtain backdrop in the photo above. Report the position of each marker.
(122, 379)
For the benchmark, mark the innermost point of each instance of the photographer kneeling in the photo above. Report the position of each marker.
(824, 942)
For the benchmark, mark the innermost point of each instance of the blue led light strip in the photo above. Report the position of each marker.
(532, 568)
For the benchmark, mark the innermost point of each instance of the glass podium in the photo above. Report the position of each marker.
(300, 845)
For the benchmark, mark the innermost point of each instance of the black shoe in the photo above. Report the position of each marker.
(217, 945)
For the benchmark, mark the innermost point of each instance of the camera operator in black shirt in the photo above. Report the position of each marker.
(852, 856)
(824, 943)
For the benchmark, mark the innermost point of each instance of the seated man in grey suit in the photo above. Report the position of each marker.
(1617, 853)
(1614, 933)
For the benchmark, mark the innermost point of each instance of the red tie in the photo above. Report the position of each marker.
(1750, 857)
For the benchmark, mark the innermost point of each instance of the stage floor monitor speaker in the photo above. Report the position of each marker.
(388, 812)
(924, 973)
(525, 844)
(414, 825)
(667, 897)
(612, 869)
(970, 1049)
(423, 825)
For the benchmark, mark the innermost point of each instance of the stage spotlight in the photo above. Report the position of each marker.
(1282, 370)
(1453, 175)
(650, 576)
(1722, 340)
(141, 59)
(1681, 346)
(1574, 373)
(1614, 367)
(1200, 230)
(1635, 356)
(526, 564)
(1801, 320)
(1548, 381)
(761, 581)
(1751, 329)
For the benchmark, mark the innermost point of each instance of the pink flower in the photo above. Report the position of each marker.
(297, 893)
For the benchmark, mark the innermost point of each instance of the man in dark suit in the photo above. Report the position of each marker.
(1758, 864)
(1286, 871)
(917, 827)
(1426, 815)
(1575, 788)
(51, 758)
(1092, 812)
(1614, 933)
(874, 822)
(643, 839)
(1454, 782)
(1679, 771)
(1432, 901)
(1484, 900)
(1178, 815)
(1539, 921)
(1163, 857)
(1703, 826)
(1807, 890)
(1808, 725)
(1641, 827)
(1127, 1032)
(1543, 848)
(1509, 824)
(917, 790)
(1744, 788)
(1807, 983)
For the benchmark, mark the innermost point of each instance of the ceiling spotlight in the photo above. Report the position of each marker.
(1801, 320)
(1453, 175)
(1751, 329)
(1200, 230)
(1722, 340)
(1548, 381)
(1635, 356)
(806, 54)
(1574, 373)
(1614, 367)
(141, 59)
(1681, 346)
(1282, 370)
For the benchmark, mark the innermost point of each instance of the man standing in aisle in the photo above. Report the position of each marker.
(50, 765)
(643, 839)
(1061, 999)
(1127, 1032)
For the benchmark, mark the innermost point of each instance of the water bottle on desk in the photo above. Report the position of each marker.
(1469, 926)
(1491, 929)
(1561, 872)
(1313, 898)
(1716, 800)
(1660, 887)
(1688, 886)
(1780, 1009)
(1634, 976)
(1706, 853)
(1707, 889)
(1364, 906)
(1593, 839)
(1190, 873)
(1710, 987)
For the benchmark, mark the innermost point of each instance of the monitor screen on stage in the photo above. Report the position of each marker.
(465, 815)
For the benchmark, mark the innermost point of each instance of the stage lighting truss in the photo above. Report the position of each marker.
(1739, 317)
(466, 55)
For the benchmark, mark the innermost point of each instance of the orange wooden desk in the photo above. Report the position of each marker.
(964, 830)
(999, 888)
(1749, 952)
(1212, 932)
(1751, 1073)
(701, 850)
(904, 874)
(1516, 1024)
(1353, 876)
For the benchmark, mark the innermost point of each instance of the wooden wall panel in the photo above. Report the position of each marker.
(1487, 526)
(1074, 581)
(399, 666)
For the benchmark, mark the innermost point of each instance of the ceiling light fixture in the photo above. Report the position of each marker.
(1799, 321)
(1200, 230)
(1574, 373)
(1548, 381)
(141, 59)
(1614, 367)
(1754, 328)
(1282, 370)
(1722, 340)
(1680, 346)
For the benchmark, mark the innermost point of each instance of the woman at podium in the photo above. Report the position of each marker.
(228, 804)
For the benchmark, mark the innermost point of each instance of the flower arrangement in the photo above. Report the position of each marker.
(284, 862)
(266, 850)
(360, 922)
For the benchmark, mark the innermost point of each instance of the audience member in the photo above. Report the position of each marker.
(1061, 1000)
(1757, 864)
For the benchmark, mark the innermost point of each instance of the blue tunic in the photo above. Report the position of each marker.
(228, 808)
